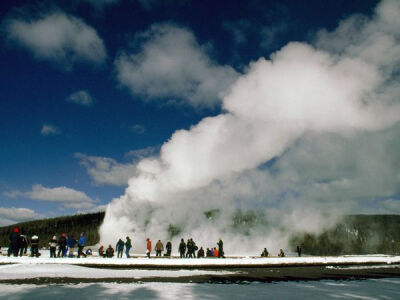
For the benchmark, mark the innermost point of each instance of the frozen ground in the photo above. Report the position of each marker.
(45, 270)
(205, 262)
(371, 289)
(29, 271)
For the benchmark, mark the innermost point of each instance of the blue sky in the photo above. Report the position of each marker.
(90, 87)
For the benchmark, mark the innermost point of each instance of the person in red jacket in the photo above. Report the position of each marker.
(215, 252)
(148, 247)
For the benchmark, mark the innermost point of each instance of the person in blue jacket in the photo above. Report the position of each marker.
(81, 245)
(71, 242)
(120, 248)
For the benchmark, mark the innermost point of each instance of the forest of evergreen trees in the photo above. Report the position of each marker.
(355, 234)
(47, 228)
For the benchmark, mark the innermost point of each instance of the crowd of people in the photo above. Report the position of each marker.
(186, 250)
(66, 246)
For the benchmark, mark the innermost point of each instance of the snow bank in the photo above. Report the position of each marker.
(206, 262)
(27, 271)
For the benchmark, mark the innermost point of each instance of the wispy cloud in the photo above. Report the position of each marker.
(68, 197)
(48, 129)
(57, 37)
(12, 215)
(137, 128)
(81, 97)
(105, 170)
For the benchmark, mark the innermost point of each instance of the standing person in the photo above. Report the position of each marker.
(182, 248)
(81, 245)
(216, 252)
(281, 253)
(298, 249)
(22, 244)
(169, 248)
(159, 248)
(62, 244)
(128, 246)
(189, 246)
(35, 246)
(53, 247)
(71, 245)
(220, 248)
(265, 253)
(200, 253)
(14, 238)
(148, 247)
(120, 248)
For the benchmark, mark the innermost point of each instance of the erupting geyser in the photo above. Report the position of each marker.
(342, 84)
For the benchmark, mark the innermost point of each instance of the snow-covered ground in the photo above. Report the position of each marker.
(205, 262)
(28, 271)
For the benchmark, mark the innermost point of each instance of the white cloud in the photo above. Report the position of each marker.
(104, 170)
(168, 63)
(81, 97)
(59, 38)
(48, 129)
(68, 197)
(12, 215)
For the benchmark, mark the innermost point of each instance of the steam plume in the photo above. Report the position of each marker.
(340, 86)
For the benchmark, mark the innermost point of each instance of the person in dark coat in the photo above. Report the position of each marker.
(22, 244)
(265, 253)
(35, 246)
(81, 245)
(168, 246)
(53, 247)
(14, 238)
(208, 252)
(191, 248)
(200, 253)
(221, 249)
(120, 248)
(128, 246)
(298, 250)
(62, 245)
(110, 251)
(182, 248)
(281, 253)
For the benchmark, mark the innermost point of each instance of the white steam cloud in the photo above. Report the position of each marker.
(248, 157)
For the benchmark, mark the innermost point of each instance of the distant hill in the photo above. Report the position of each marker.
(355, 234)
(47, 228)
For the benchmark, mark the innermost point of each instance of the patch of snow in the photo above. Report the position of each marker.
(27, 271)
(212, 262)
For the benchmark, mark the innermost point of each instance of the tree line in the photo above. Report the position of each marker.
(355, 234)
(47, 228)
